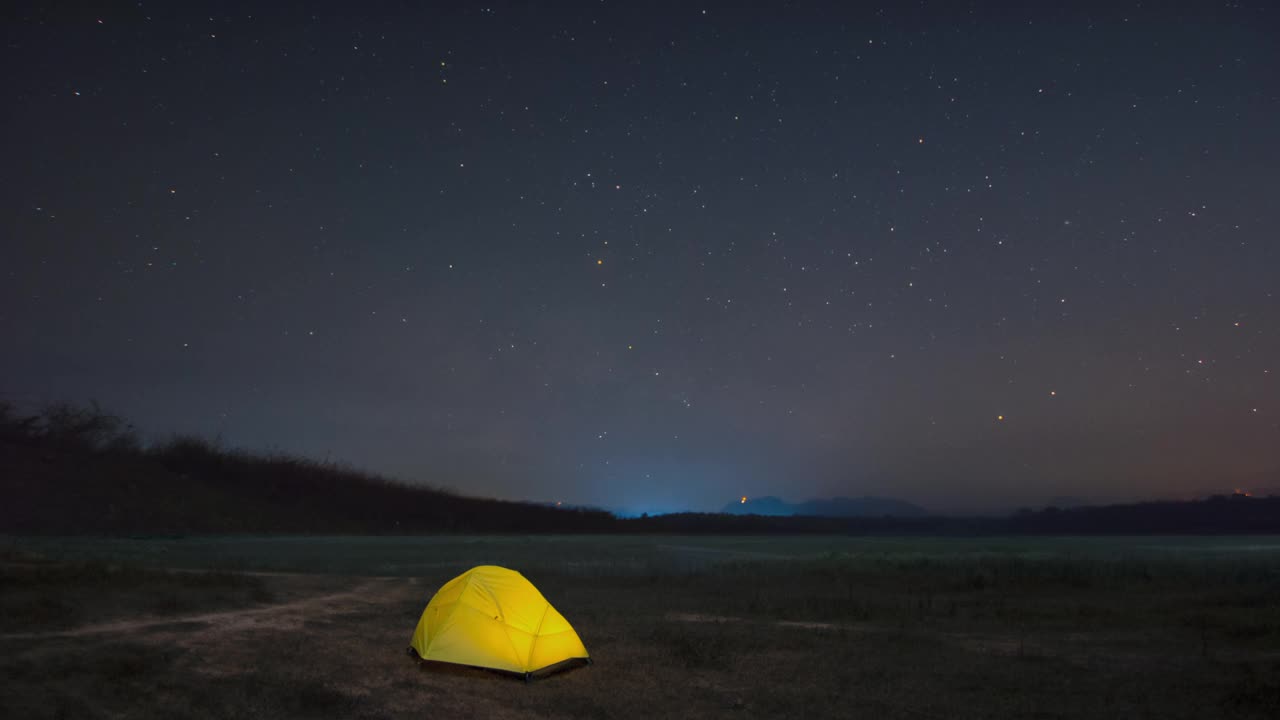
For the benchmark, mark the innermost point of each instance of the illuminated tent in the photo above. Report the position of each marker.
(492, 617)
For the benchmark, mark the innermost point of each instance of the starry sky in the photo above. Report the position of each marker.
(659, 255)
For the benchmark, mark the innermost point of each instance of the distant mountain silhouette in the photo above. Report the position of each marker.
(866, 506)
(1066, 502)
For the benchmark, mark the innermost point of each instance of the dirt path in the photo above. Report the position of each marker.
(281, 615)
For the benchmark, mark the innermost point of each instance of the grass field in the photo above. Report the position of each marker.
(678, 627)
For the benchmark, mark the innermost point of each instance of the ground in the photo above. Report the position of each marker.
(677, 626)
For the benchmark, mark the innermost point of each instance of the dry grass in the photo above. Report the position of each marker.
(38, 593)
(824, 635)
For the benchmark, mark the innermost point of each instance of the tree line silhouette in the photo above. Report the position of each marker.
(80, 470)
(76, 470)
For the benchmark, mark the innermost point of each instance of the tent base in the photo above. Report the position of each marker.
(540, 673)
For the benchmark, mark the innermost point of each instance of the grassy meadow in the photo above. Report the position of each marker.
(678, 627)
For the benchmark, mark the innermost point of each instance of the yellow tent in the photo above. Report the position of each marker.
(492, 617)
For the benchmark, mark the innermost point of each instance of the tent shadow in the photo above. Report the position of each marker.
(489, 674)
(561, 668)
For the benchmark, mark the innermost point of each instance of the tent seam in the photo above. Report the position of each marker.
(537, 633)
(431, 640)
(515, 651)
(503, 622)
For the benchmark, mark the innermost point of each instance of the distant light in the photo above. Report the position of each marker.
(1000, 417)
(599, 262)
(743, 501)
(1054, 393)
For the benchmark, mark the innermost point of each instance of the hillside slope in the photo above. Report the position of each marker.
(76, 471)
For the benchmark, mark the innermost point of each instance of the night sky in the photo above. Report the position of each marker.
(655, 256)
